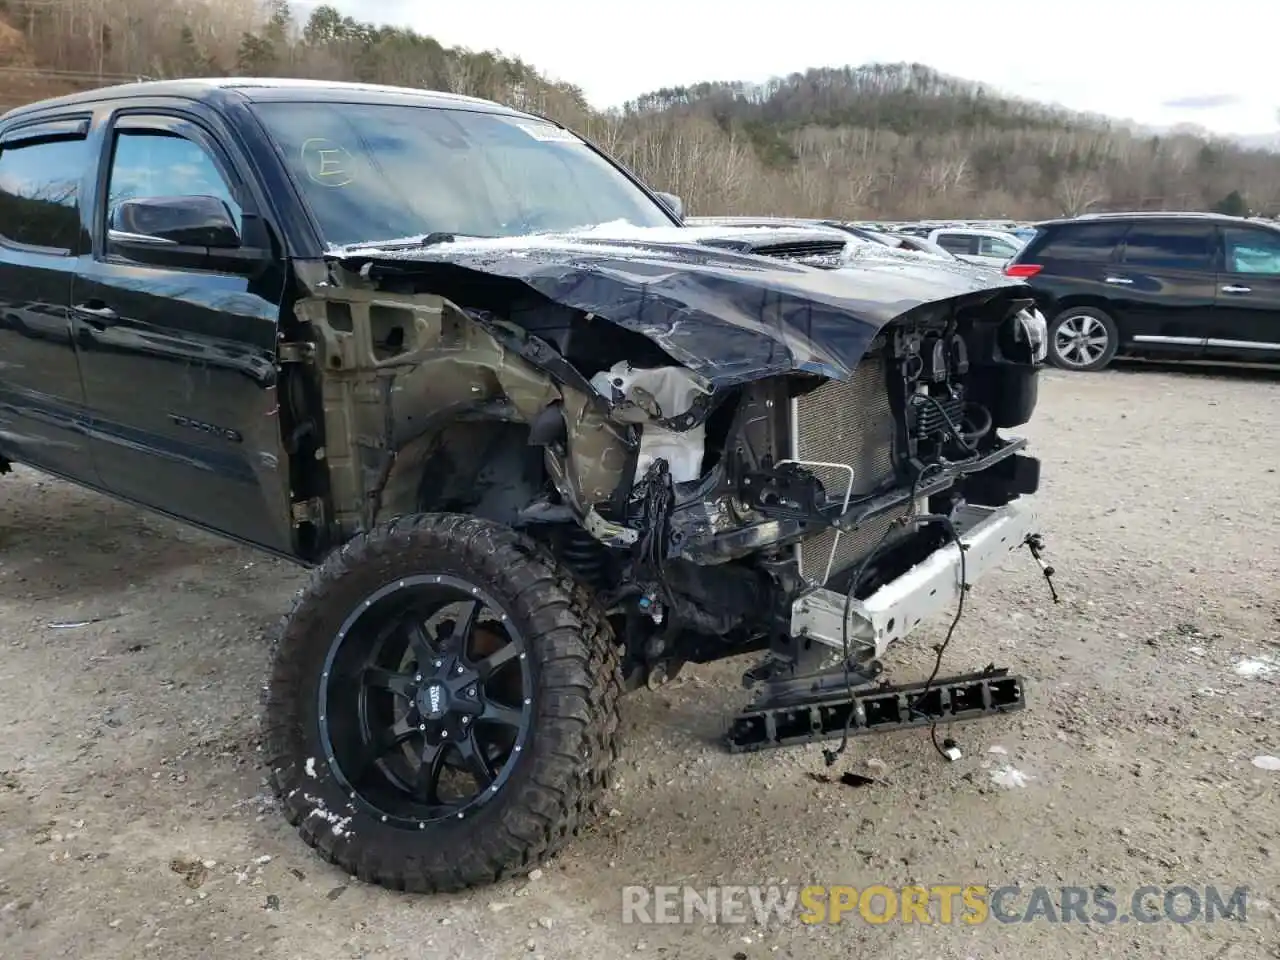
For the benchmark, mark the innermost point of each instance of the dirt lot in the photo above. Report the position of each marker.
(130, 741)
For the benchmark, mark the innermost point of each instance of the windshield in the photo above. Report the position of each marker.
(386, 172)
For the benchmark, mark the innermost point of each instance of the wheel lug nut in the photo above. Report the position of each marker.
(437, 663)
(471, 691)
(422, 726)
(418, 678)
(444, 733)
(465, 721)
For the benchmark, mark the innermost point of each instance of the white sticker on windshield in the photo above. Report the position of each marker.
(549, 132)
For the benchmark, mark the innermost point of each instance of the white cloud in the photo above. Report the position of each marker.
(1123, 58)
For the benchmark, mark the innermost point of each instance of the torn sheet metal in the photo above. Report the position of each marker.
(730, 317)
(398, 369)
(597, 451)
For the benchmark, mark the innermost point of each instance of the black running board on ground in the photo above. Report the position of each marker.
(876, 709)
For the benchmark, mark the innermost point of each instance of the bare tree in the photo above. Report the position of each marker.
(1077, 193)
(883, 140)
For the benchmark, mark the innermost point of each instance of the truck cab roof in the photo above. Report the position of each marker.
(221, 90)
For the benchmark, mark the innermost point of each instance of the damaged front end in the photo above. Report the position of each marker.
(734, 448)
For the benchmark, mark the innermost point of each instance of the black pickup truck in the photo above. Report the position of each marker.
(540, 441)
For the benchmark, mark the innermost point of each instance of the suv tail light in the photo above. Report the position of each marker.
(1022, 270)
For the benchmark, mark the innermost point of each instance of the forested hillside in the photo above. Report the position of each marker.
(874, 141)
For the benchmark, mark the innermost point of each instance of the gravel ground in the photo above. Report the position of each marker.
(134, 819)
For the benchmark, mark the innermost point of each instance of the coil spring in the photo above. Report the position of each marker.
(584, 555)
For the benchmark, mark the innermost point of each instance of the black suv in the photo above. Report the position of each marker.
(1168, 285)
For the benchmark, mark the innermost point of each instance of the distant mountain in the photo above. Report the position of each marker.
(902, 140)
(1260, 141)
(894, 140)
(1249, 141)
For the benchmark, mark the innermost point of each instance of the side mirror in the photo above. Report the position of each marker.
(672, 203)
(194, 233)
(185, 221)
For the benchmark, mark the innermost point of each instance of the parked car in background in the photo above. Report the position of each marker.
(1167, 285)
(857, 231)
(912, 230)
(993, 248)
(906, 241)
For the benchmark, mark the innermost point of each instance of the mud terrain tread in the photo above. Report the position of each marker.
(577, 705)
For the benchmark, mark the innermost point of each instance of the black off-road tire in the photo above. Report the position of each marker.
(556, 783)
(1100, 320)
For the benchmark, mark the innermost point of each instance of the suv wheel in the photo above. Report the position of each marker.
(442, 708)
(1082, 338)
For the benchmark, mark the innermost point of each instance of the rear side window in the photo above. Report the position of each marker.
(1169, 246)
(995, 247)
(1252, 251)
(955, 242)
(40, 191)
(1090, 242)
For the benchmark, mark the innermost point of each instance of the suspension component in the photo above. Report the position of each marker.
(584, 555)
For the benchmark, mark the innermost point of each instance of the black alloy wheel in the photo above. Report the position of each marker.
(423, 723)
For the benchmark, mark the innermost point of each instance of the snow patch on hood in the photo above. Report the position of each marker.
(516, 247)
(624, 230)
(594, 236)
(621, 238)
(625, 241)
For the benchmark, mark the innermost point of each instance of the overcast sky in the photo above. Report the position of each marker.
(1160, 63)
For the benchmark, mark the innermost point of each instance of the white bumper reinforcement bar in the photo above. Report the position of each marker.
(928, 588)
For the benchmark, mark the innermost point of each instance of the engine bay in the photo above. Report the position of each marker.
(791, 483)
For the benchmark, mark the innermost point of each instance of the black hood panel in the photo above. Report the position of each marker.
(728, 316)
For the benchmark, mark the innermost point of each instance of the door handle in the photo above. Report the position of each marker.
(1234, 288)
(1125, 280)
(97, 313)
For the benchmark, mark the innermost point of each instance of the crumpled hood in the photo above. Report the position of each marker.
(728, 316)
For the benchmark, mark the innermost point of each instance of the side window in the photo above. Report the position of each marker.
(1085, 242)
(955, 243)
(40, 191)
(1169, 246)
(1252, 251)
(995, 247)
(149, 163)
